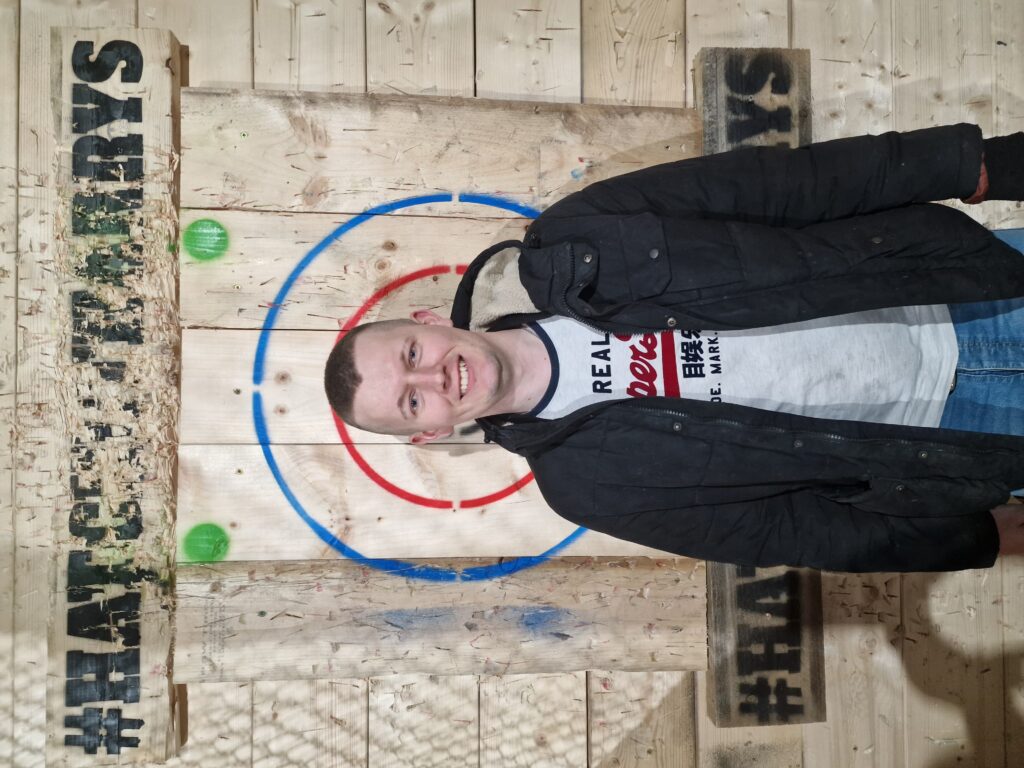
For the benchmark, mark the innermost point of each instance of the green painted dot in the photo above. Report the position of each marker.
(205, 239)
(263, 613)
(206, 543)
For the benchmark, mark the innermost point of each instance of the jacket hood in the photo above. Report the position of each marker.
(491, 289)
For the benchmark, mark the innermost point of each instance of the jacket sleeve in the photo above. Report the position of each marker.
(779, 186)
(803, 529)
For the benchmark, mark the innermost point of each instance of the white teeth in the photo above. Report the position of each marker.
(463, 378)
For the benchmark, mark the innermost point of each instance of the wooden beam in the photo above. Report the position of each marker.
(8, 360)
(342, 153)
(110, 370)
(256, 621)
(42, 447)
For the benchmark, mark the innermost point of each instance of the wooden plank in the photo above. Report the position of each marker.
(345, 153)
(863, 674)
(237, 289)
(248, 621)
(529, 720)
(218, 37)
(642, 719)
(220, 727)
(944, 71)
(8, 360)
(315, 723)
(528, 51)
(423, 720)
(43, 450)
(774, 746)
(753, 97)
(1013, 654)
(109, 633)
(416, 47)
(851, 64)
(747, 24)
(1008, 47)
(634, 53)
(953, 660)
(310, 45)
(234, 490)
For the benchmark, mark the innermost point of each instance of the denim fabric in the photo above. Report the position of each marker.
(989, 392)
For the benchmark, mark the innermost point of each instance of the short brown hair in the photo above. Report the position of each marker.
(341, 380)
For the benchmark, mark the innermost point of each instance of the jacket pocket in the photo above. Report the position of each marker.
(644, 255)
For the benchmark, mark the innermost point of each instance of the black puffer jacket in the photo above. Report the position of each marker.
(751, 238)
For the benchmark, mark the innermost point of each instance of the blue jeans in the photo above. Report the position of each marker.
(989, 391)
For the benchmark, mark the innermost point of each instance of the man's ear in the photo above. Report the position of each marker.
(431, 434)
(429, 317)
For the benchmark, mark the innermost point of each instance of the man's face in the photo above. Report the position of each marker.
(423, 378)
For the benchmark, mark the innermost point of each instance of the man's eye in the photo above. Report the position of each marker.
(414, 403)
(412, 354)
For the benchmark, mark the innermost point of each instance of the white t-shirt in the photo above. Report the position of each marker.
(893, 366)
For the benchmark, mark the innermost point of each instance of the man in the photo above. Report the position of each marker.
(764, 357)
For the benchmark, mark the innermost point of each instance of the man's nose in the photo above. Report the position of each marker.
(430, 376)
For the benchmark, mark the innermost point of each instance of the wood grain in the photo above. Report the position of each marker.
(863, 674)
(420, 47)
(851, 64)
(529, 720)
(310, 45)
(8, 360)
(634, 53)
(315, 723)
(234, 488)
(256, 621)
(342, 153)
(528, 51)
(218, 37)
(735, 23)
(642, 719)
(776, 746)
(238, 289)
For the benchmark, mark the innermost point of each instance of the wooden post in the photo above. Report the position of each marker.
(100, 400)
(764, 624)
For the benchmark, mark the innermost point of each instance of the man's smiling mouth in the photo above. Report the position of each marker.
(463, 378)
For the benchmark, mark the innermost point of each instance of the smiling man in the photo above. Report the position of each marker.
(430, 376)
(767, 356)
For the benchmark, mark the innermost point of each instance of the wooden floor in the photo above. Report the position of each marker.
(923, 670)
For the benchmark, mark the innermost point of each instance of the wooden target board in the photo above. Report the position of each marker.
(305, 214)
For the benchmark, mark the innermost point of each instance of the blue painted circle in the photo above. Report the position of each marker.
(409, 570)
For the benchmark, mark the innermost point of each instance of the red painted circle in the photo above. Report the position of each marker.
(361, 461)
